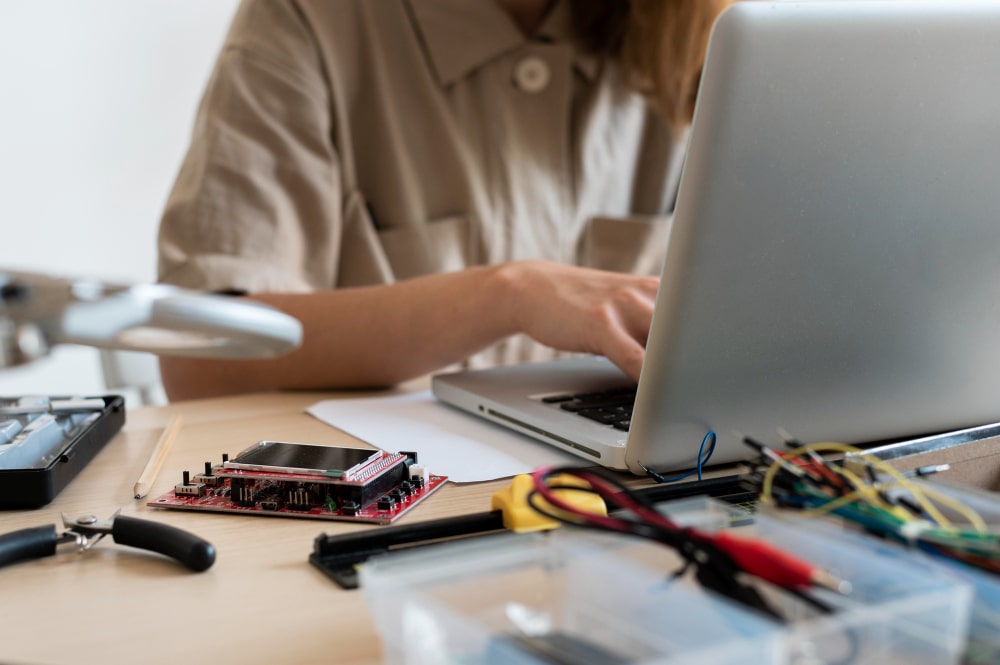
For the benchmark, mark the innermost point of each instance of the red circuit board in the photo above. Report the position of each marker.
(218, 499)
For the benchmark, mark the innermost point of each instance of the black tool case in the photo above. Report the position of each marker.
(35, 485)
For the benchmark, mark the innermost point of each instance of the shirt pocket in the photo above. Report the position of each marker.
(635, 244)
(369, 255)
(440, 245)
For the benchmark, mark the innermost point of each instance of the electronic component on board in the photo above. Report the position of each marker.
(187, 488)
(208, 478)
(307, 480)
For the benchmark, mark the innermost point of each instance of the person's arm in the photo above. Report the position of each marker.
(381, 335)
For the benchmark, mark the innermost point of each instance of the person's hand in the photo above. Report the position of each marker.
(583, 310)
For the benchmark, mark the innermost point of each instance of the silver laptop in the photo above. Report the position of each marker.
(834, 263)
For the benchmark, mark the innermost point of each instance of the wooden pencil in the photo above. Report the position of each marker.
(145, 482)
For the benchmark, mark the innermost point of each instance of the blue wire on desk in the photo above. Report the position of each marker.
(703, 457)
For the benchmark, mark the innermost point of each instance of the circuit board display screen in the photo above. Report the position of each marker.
(299, 458)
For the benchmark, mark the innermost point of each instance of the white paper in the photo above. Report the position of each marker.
(447, 441)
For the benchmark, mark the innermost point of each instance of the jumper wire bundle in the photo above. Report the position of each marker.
(879, 499)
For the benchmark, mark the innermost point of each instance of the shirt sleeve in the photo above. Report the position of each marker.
(257, 204)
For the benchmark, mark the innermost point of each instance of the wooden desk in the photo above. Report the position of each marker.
(262, 602)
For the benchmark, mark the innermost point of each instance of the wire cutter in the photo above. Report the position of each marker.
(84, 532)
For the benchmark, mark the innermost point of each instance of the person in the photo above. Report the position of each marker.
(427, 183)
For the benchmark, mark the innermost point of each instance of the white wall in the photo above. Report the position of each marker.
(97, 98)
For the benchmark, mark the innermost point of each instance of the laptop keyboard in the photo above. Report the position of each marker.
(608, 407)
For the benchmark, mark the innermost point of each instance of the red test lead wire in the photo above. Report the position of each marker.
(774, 565)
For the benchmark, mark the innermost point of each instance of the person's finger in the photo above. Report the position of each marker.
(635, 311)
(625, 352)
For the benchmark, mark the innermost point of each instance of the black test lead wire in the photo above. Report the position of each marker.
(721, 554)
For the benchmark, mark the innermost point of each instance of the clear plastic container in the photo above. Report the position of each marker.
(983, 637)
(485, 602)
(898, 610)
(488, 600)
(972, 471)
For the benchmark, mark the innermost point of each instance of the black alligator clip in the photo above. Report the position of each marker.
(84, 532)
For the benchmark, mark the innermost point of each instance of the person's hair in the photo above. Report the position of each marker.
(660, 44)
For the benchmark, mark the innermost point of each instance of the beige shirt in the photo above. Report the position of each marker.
(365, 141)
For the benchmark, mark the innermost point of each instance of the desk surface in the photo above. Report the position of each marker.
(261, 602)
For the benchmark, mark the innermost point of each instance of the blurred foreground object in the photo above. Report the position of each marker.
(38, 311)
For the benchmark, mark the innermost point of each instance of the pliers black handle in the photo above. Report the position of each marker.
(42, 541)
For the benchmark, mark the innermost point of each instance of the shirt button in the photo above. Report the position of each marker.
(532, 74)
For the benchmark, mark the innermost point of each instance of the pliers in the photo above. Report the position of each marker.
(85, 531)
